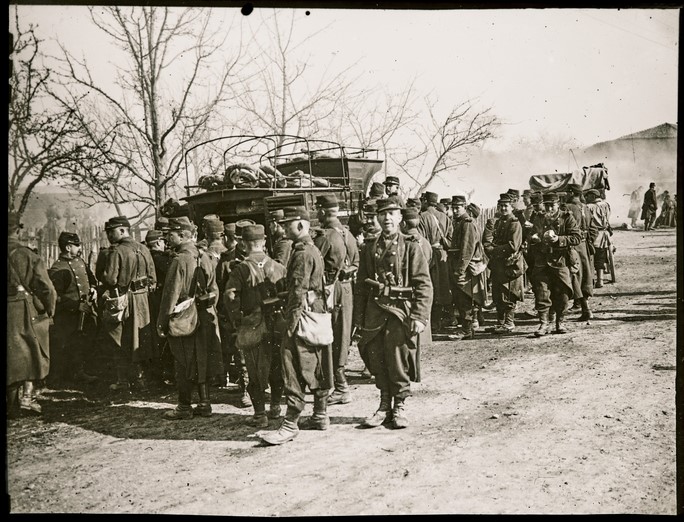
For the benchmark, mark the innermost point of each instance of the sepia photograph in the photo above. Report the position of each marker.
(283, 260)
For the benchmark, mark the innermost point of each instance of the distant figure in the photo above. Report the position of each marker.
(668, 214)
(649, 207)
(635, 206)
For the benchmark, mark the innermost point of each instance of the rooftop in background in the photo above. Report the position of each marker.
(665, 130)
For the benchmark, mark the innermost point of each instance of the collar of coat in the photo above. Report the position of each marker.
(189, 247)
(300, 243)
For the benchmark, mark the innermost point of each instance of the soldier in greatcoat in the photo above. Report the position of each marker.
(31, 300)
(438, 229)
(281, 246)
(467, 263)
(506, 264)
(583, 278)
(600, 218)
(649, 207)
(392, 304)
(197, 356)
(303, 365)
(250, 299)
(555, 233)
(73, 334)
(341, 259)
(129, 270)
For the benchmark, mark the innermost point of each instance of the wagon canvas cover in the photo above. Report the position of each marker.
(587, 177)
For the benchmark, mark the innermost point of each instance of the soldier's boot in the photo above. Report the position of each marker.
(28, 402)
(287, 431)
(183, 409)
(140, 379)
(552, 316)
(245, 400)
(399, 419)
(341, 394)
(508, 323)
(274, 409)
(500, 315)
(383, 413)
(543, 324)
(203, 408)
(560, 323)
(365, 373)
(319, 420)
(599, 278)
(80, 375)
(260, 419)
(464, 333)
(586, 312)
(576, 305)
(122, 379)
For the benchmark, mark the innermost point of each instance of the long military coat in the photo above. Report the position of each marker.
(192, 274)
(505, 240)
(437, 228)
(584, 279)
(128, 260)
(28, 315)
(467, 246)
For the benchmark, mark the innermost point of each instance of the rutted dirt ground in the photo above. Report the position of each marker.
(576, 423)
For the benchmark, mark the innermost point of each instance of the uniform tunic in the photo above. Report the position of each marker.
(304, 364)
(504, 242)
(436, 227)
(389, 351)
(339, 250)
(466, 246)
(128, 260)
(28, 315)
(72, 280)
(583, 279)
(197, 356)
(282, 248)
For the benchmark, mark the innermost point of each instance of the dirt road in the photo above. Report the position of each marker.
(576, 423)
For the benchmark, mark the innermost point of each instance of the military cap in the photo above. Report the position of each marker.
(391, 180)
(377, 190)
(458, 200)
(504, 198)
(473, 209)
(410, 213)
(239, 225)
(214, 226)
(593, 192)
(14, 221)
(275, 215)
(153, 235)
(229, 229)
(431, 197)
(370, 207)
(536, 197)
(294, 214)
(68, 238)
(253, 232)
(210, 217)
(551, 197)
(527, 192)
(390, 203)
(413, 202)
(162, 223)
(574, 188)
(327, 201)
(513, 192)
(181, 223)
(116, 222)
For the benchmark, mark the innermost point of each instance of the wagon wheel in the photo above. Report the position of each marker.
(611, 263)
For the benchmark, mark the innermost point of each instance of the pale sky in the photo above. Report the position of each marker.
(594, 75)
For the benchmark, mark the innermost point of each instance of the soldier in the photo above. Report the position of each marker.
(527, 201)
(473, 211)
(227, 333)
(129, 271)
(409, 227)
(391, 308)
(162, 360)
(391, 184)
(371, 227)
(73, 332)
(437, 229)
(377, 190)
(600, 218)
(649, 207)
(250, 304)
(303, 365)
(413, 203)
(518, 205)
(446, 204)
(554, 234)
(467, 263)
(281, 246)
(507, 265)
(197, 355)
(582, 279)
(341, 258)
(31, 300)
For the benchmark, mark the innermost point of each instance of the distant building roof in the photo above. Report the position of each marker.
(665, 130)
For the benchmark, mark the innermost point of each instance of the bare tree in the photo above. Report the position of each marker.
(38, 133)
(163, 100)
(284, 96)
(446, 142)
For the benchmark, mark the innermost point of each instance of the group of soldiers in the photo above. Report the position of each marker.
(396, 272)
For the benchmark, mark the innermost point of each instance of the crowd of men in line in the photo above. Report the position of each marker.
(396, 273)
